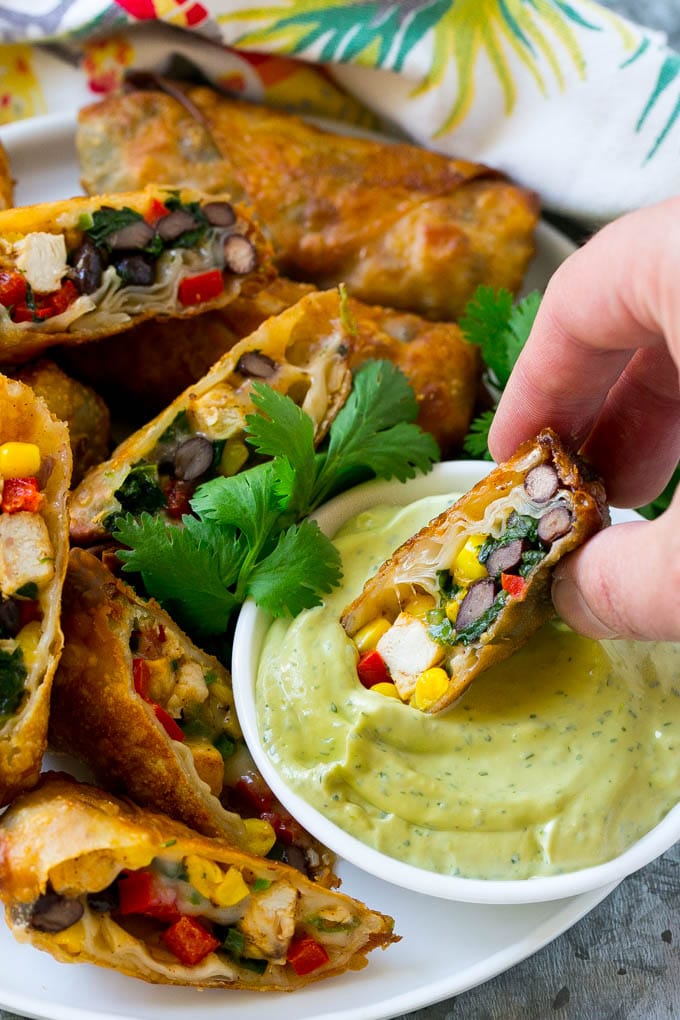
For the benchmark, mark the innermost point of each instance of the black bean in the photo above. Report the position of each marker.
(506, 557)
(295, 858)
(541, 483)
(554, 524)
(135, 270)
(479, 598)
(134, 235)
(176, 223)
(239, 254)
(10, 617)
(105, 901)
(193, 458)
(219, 214)
(52, 912)
(87, 266)
(256, 364)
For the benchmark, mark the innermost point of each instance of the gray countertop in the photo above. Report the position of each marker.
(622, 961)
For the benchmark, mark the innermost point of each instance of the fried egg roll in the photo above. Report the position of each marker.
(474, 584)
(85, 268)
(92, 879)
(400, 225)
(35, 471)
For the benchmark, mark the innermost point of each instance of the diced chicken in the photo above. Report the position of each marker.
(161, 679)
(268, 923)
(190, 689)
(408, 650)
(26, 552)
(209, 764)
(42, 259)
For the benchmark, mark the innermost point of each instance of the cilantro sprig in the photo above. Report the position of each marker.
(250, 535)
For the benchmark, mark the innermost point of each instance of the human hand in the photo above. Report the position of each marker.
(602, 367)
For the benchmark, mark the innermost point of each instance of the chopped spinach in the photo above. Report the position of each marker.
(530, 559)
(474, 630)
(178, 428)
(447, 584)
(439, 627)
(517, 526)
(12, 681)
(140, 490)
(28, 590)
(189, 238)
(225, 745)
(107, 221)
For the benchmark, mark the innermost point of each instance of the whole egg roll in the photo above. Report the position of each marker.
(35, 471)
(400, 225)
(302, 352)
(92, 879)
(85, 268)
(474, 584)
(153, 716)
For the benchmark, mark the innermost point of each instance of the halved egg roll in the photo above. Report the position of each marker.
(92, 879)
(153, 716)
(474, 584)
(35, 471)
(402, 226)
(303, 352)
(85, 268)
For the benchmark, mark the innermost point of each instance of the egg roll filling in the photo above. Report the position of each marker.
(26, 568)
(99, 269)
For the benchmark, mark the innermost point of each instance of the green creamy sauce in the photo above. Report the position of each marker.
(556, 759)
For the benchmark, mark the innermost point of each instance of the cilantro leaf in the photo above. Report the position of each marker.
(500, 329)
(188, 570)
(247, 501)
(282, 430)
(303, 564)
(476, 442)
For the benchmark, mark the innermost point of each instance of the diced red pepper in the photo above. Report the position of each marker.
(21, 494)
(155, 211)
(141, 677)
(29, 610)
(172, 728)
(253, 790)
(513, 584)
(305, 955)
(287, 829)
(140, 893)
(177, 497)
(372, 669)
(194, 290)
(47, 305)
(189, 940)
(12, 288)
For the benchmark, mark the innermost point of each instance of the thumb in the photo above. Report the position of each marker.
(625, 581)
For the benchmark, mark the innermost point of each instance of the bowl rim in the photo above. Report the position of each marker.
(251, 627)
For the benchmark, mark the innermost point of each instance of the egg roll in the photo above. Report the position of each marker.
(35, 470)
(400, 225)
(153, 716)
(474, 584)
(84, 268)
(93, 879)
(302, 352)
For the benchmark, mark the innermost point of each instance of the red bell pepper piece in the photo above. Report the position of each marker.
(305, 955)
(172, 728)
(177, 497)
(140, 893)
(372, 669)
(12, 288)
(287, 829)
(47, 305)
(254, 792)
(194, 290)
(141, 678)
(29, 610)
(513, 584)
(21, 494)
(189, 940)
(156, 210)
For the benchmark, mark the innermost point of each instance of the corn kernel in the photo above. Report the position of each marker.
(260, 836)
(204, 875)
(234, 456)
(367, 638)
(19, 460)
(430, 686)
(231, 890)
(466, 566)
(420, 605)
(28, 639)
(387, 690)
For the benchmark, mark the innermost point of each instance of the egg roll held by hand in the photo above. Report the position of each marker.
(92, 879)
(474, 584)
(153, 716)
(84, 268)
(402, 226)
(35, 471)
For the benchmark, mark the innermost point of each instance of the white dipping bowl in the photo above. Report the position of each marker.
(252, 626)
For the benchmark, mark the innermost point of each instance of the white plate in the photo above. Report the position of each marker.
(446, 947)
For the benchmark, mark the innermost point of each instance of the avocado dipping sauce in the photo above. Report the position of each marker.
(557, 759)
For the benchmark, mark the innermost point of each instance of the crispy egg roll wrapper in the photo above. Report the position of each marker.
(6, 180)
(307, 346)
(400, 225)
(413, 569)
(24, 418)
(115, 306)
(70, 839)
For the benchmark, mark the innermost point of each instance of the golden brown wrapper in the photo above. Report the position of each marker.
(6, 180)
(71, 839)
(400, 225)
(24, 418)
(308, 348)
(413, 569)
(20, 341)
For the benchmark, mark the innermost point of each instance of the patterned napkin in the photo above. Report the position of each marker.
(567, 97)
